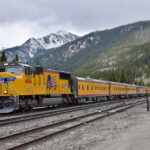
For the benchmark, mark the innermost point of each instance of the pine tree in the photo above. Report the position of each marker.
(37, 62)
(17, 58)
(3, 57)
(112, 76)
(123, 78)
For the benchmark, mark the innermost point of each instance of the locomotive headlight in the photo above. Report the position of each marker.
(5, 92)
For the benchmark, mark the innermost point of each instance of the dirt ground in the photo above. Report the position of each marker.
(128, 130)
(137, 137)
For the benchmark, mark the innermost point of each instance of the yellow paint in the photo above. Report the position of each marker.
(92, 88)
(117, 89)
(89, 88)
(131, 90)
(30, 85)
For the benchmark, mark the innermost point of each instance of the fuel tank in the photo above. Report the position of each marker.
(50, 101)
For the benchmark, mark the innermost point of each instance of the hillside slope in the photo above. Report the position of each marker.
(98, 49)
(99, 53)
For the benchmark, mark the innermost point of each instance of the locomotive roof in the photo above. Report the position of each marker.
(25, 65)
(57, 71)
(2, 64)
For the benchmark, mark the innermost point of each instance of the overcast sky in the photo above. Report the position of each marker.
(22, 19)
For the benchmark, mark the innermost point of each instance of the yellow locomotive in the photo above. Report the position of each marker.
(23, 87)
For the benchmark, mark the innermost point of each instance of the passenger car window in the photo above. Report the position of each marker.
(82, 87)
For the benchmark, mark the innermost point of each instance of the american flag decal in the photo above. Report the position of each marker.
(51, 82)
(1, 80)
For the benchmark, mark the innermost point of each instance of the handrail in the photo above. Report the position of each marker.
(13, 89)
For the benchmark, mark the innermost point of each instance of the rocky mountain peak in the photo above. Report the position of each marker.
(51, 40)
(36, 46)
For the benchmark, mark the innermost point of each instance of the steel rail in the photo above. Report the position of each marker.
(106, 111)
(54, 113)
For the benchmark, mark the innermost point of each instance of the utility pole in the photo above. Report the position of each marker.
(147, 100)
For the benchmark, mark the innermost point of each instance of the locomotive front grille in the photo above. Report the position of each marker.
(0, 89)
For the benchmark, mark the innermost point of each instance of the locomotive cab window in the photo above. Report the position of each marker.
(16, 70)
(2, 69)
(28, 71)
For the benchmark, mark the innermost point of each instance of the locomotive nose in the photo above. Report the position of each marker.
(5, 83)
(6, 103)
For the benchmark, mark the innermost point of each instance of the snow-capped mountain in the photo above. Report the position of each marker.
(37, 46)
(52, 40)
(56, 39)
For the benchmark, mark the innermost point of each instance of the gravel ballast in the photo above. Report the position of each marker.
(90, 136)
(97, 134)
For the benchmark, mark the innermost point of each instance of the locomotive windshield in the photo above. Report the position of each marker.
(14, 70)
(2, 69)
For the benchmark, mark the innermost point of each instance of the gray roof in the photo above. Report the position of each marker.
(103, 81)
(92, 80)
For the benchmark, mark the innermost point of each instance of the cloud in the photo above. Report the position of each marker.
(21, 19)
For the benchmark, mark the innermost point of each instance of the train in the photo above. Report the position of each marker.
(24, 87)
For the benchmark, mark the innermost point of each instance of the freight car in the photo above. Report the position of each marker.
(23, 87)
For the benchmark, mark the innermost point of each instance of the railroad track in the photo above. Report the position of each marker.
(51, 108)
(43, 109)
(66, 125)
(47, 109)
(57, 112)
